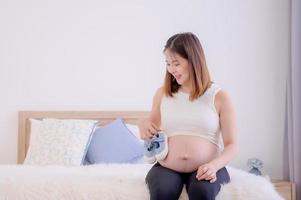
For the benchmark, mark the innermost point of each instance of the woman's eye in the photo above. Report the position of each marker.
(175, 65)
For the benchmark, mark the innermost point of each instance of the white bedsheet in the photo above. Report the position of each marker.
(110, 182)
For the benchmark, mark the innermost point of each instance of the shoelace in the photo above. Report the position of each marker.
(154, 144)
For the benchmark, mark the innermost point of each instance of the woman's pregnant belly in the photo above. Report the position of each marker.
(187, 153)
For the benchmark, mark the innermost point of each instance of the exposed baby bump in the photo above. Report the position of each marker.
(187, 153)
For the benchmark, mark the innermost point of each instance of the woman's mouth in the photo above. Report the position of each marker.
(177, 76)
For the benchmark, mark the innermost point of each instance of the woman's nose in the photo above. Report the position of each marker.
(174, 71)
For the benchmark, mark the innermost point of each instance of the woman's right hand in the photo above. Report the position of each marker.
(147, 129)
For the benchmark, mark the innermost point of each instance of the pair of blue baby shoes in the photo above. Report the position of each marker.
(156, 148)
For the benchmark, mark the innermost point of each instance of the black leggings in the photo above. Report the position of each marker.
(167, 184)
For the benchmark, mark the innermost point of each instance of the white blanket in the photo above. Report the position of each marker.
(111, 182)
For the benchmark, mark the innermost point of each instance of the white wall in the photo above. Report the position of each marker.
(93, 55)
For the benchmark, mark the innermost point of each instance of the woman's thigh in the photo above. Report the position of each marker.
(164, 183)
(204, 189)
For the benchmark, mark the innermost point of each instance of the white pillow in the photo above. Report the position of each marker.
(135, 131)
(58, 141)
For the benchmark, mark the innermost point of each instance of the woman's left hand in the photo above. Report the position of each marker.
(207, 172)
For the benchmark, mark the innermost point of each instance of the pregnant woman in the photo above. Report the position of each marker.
(199, 120)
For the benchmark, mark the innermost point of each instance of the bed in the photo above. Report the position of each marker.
(103, 181)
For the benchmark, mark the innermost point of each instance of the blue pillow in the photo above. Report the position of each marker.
(114, 143)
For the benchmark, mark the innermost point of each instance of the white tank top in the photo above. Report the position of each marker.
(180, 116)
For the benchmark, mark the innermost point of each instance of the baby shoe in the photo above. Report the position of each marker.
(161, 149)
(149, 153)
(156, 148)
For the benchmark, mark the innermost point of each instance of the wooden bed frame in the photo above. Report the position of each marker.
(103, 117)
(285, 188)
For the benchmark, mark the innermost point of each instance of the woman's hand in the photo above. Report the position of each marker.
(207, 172)
(147, 129)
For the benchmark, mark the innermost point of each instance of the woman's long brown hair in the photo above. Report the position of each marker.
(188, 46)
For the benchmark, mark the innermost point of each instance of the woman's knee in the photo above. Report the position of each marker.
(203, 190)
(161, 192)
(164, 190)
(164, 184)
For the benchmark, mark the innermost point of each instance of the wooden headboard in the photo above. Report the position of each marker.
(103, 117)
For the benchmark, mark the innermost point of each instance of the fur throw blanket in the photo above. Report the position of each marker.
(111, 182)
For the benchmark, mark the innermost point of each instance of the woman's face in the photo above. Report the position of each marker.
(178, 67)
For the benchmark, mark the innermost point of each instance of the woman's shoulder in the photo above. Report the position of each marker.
(158, 94)
(222, 94)
(219, 91)
(223, 98)
(159, 91)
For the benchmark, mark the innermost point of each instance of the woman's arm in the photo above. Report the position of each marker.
(227, 117)
(155, 115)
(151, 125)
